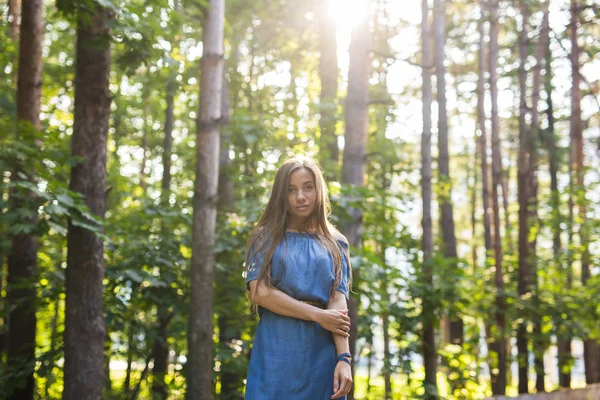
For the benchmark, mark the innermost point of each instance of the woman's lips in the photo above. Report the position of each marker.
(302, 208)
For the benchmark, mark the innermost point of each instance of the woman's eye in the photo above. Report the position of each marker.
(291, 190)
(308, 188)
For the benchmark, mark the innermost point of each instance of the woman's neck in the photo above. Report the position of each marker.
(299, 226)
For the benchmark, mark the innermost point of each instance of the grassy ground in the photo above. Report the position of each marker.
(402, 388)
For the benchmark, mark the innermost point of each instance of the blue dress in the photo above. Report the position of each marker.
(293, 358)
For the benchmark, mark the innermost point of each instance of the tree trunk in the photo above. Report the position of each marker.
(117, 121)
(385, 319)
(571, 216)
(387, 365)
(328, 74)
(499, 379)
(526, 190)
(168, 141)
(130, 351)
(146, 128)
(473, 179)
(85, 329)
(53, 347)
(428, 314)
(446, 211)
(356, 121)
(3, 304)
(507, 225)
(562, 332)
(225, 190)
(107, 354)
(591, 352)
(160, 355)
(249, 92)
(355, 149)
(13, 15)
(13, 34)
(200, 327)
(228, 319)
(136, 389)
(161, 347)
(483, 135)
(539, 346)
(22, 258)
(369, 368)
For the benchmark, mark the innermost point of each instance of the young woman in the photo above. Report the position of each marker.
(298, 274)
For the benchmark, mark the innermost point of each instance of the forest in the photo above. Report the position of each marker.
(139, 141)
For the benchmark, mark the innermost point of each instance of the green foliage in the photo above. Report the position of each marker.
(39, 180)
(272, 65)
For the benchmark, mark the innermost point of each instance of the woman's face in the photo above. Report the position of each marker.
(302, 194)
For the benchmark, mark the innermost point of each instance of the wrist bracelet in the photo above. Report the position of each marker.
(344, 357)
(345, 360)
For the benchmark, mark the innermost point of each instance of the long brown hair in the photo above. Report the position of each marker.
(272, 225)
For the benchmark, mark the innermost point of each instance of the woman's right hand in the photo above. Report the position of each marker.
(335, 321)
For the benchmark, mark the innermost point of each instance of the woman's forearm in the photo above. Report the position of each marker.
(338, 302)
(281, 303)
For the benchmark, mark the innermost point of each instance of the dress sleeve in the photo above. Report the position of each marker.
(344, 287)
(253, 265)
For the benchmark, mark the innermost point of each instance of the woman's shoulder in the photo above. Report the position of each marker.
(340, 237)
(258, 239)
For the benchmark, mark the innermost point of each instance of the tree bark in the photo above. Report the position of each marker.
(13, 34)
(13, 15)
(369, 368)
(539, 346)
(53, 346)
(157, 348)
(591, 352)
(145, 132)
(356, 121)
(226, 199)
(130, 351)
(160, 355)
(474, 178)
(483, 134)
(526, 187)
(200, 327)
(505, 195)
(328, 74)
(428, 314)
(85, 329)
(385, 319)
(446, 209)
(22, 258)
(355, 149)
(499, 380)
(107, 354)
(228, 319)
(168, 141)
(563, 335)
(571, 216)
(387, 366)
(161, 347)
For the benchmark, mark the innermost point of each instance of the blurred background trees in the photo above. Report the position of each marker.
(459, 139)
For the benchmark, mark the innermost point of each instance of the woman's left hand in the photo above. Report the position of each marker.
(342, 380)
